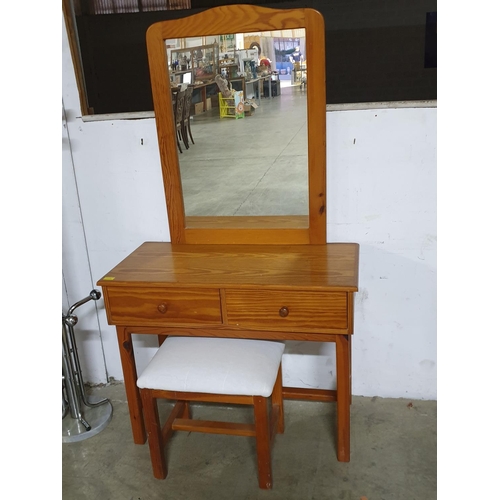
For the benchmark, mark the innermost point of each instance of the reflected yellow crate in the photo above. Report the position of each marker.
(232, 107)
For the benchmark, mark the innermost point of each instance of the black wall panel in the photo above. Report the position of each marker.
(375, 51)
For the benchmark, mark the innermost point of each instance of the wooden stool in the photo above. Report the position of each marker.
(215, 370)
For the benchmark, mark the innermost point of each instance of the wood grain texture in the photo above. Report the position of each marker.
(247, 222)
(201, 396)
(277, 402)
(262, 430)
(213, 427)
(242, 18)
(274, 422)
(150, 306)
(343, 358)
(130, 378)
(306, 394)
(154, 430)
(330, 267)
(306, 311)
(228, 331)
(181, 408)
(269, 230)
(264, 236)
(350, 312)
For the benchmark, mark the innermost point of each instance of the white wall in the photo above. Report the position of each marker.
(381, 194)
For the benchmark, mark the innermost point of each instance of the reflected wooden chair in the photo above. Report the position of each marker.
(186, 120)
(174, 100)
(214, 370)
(179, 111)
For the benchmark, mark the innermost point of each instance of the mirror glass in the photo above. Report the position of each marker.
(245, 154)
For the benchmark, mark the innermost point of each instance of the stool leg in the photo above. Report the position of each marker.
(153, 431)
(277, 400)
(263, 442)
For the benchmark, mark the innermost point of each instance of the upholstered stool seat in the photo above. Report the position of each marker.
(221, 370)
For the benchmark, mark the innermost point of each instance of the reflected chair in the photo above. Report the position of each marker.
(174, 100)
(179, 110)
(174, 108)
(214, 370)
(186, 121)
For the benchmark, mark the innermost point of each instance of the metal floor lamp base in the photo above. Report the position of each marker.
(82, 415)
(98, 418)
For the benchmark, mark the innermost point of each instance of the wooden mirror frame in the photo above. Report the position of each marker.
(307, 229)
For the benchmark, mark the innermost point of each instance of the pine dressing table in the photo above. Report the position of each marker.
(253, 277)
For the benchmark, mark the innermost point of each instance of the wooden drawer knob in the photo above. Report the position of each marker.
(284, 312)
(162, 308)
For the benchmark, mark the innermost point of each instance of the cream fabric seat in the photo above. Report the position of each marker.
(214, 365)
(238, 371)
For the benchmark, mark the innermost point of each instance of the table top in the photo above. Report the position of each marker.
(330, 267)
(253, 80)
(204, 84)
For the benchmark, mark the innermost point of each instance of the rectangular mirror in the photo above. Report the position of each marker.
(245, 159)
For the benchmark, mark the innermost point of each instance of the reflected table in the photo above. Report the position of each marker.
(254, 86)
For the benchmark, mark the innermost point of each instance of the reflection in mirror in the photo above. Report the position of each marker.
(242, 134)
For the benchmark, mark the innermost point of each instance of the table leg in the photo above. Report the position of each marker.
(343, 354)
(131, 389)
(350, 370)
(204, 98)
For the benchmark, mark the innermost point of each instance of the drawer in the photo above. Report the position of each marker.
(161, 306)
(276, 310)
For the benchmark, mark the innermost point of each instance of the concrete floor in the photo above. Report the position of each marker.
(256, 165)
(393, 456)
